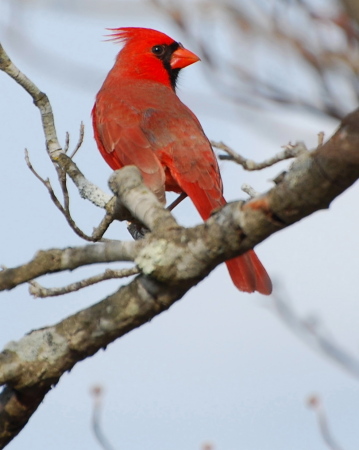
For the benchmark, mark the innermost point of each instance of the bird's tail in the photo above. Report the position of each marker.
(246, 271)
(248, 274)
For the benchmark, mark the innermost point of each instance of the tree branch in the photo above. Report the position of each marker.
(128, 186)
(87, 189)
(37, 290)
(65, 208)
(58, 260)
(290, 151)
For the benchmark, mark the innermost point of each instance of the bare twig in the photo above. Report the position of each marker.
(64, 209)
(39, 291)
(249, 190)
(97, 393)
(315, 336)
(67, 142)
(129, 180)
(290, 151)
(87, 189)
(243, 79)
(57, 260)
(320, 138)
(316, 404)
(62, 177)
(80, 141)
(101, 229)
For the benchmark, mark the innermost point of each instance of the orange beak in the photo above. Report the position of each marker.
(182, 58)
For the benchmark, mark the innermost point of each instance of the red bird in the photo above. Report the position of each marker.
(139, 120)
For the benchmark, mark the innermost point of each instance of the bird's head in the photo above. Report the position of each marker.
(150, 54)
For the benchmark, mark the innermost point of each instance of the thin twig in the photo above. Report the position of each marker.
(315, 336)
(80, 141)
(97, 392)
(62, 177)
(315, 403)
(67, 142)
(320, 138)
(249, 190)
(86, 189)
(39, 291)
(101, 229)
(240, 79)
(63, 209)
(290, 151)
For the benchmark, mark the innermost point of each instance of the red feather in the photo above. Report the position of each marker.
(138, 119)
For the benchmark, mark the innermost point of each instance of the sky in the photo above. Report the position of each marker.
(220, 366)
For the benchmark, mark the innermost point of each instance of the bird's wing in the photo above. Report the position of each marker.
(186, 154)
(122, 142)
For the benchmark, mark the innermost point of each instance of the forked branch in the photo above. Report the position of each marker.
(290, 151)
(87, 189)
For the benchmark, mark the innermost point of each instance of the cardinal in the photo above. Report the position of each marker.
(139, 120)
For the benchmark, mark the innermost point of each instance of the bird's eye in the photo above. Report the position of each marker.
(158, 50)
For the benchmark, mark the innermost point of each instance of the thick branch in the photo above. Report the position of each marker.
(313, 181)
(57, 260)
(32, 365)
(135, 196)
